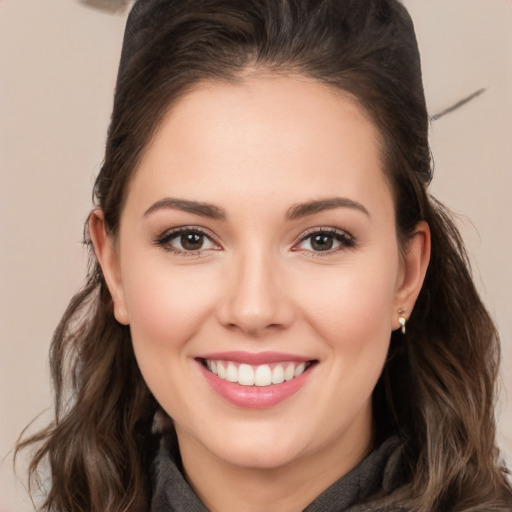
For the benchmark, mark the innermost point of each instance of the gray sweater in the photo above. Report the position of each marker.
(380, 472)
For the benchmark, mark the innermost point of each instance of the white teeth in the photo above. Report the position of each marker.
(221, 371)
(278, 374)
(261, 375)
(300, 369)
(289, 373)
(245, 375)
(232, 373)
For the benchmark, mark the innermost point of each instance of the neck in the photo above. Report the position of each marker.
(223, 486)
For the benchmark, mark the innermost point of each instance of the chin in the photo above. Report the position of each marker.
(257, 457)
(257, 446)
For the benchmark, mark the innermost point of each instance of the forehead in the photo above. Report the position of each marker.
(281, 136)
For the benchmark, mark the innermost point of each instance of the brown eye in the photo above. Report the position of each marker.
(322, 242)
(188, 241)
(325, 241)
(192, 241)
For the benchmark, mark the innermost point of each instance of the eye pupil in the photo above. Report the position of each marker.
(322, 242)
(192, 241)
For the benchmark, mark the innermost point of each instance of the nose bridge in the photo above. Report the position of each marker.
(254, 300)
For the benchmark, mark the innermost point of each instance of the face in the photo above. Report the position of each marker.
(258, 269)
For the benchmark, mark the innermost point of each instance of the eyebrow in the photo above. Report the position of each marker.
(304, 209)
(297, 211)
(195, 207)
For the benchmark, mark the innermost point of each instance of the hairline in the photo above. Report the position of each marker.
(249, 71)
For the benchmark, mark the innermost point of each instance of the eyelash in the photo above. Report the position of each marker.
(165, 239)
(345, 241)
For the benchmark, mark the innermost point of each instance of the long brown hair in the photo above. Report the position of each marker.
(438, 385)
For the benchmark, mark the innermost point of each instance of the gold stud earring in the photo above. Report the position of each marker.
(401, 319)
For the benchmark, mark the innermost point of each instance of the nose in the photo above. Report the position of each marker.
(255, 299)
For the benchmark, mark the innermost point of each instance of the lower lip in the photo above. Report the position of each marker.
(254, 397)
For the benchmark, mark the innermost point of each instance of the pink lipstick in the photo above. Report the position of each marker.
(251, 380)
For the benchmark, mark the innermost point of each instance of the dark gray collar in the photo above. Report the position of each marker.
(379, 473)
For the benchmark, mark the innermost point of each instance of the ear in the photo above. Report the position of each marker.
(108, 259)
(414, 268)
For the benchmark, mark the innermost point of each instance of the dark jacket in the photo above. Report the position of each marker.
(381, 472)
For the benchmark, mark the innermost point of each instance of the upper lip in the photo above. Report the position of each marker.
(255, 359)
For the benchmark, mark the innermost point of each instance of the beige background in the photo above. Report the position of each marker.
(57, 69)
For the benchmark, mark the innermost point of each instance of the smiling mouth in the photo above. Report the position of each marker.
(256, 375)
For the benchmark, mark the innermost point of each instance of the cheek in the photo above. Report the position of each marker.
(352, 309)
(167, 307)
(351, 314)
(164, 305)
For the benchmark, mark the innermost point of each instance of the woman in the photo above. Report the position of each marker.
(265, 325)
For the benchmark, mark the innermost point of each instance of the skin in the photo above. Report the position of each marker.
(256, 150)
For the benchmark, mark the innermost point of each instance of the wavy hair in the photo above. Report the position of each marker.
(438, 385)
